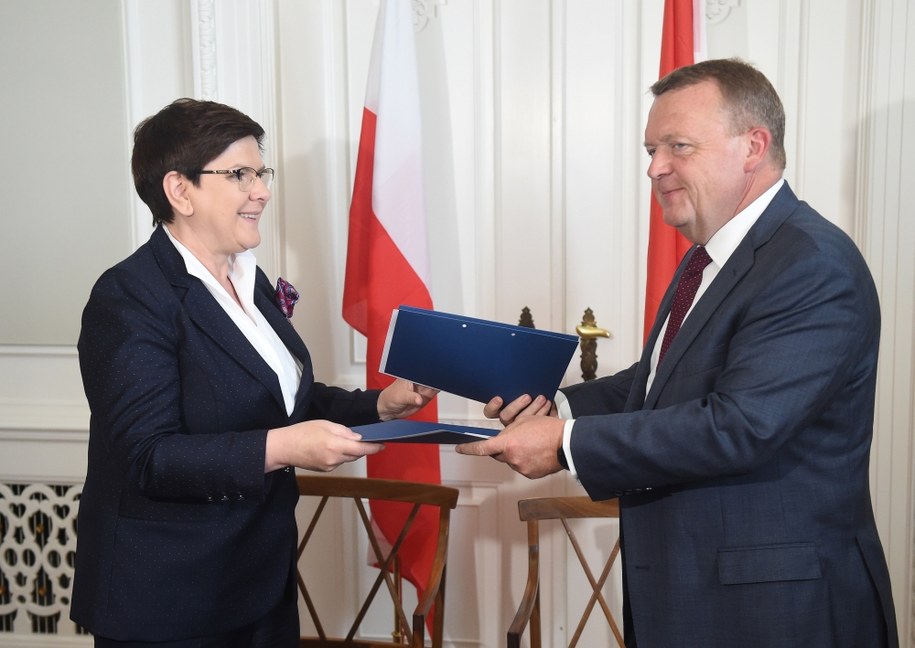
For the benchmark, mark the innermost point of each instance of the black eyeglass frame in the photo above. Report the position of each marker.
(242, 173)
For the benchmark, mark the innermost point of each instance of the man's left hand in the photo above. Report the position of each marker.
(529, 446)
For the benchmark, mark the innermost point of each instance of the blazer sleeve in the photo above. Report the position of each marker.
(346, 407)
(169, 417)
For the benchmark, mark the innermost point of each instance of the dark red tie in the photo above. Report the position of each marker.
(683, 298)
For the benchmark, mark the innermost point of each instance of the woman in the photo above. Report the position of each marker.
(202, 400)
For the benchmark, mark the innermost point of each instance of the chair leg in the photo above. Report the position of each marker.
(535, 622)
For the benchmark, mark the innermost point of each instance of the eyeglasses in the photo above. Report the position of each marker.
(245, 176)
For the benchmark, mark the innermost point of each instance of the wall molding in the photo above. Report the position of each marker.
(886, 235)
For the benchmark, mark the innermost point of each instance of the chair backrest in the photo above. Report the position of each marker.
(433, 599)
(563, 509)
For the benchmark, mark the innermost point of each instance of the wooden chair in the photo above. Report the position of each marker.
(433, 600)
(563, 509)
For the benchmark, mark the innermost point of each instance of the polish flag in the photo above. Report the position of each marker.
(682, 43)
(386, 260)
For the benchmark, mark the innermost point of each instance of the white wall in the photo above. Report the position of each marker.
(533, 118)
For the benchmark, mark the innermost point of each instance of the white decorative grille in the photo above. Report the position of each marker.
(37, 552)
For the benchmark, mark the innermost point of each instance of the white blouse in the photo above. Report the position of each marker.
(249, 320)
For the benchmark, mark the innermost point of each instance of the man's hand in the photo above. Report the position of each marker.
(402, 398)
(524, 405)
(529, 446)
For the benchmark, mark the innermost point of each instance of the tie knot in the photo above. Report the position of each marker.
(697, 261)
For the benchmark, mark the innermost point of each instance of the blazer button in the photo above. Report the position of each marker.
(209, 498)
(240, 497)
(225, 498)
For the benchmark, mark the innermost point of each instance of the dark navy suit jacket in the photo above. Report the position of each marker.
(743, 473)
(180, 532)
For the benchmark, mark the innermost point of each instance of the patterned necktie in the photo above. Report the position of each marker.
(683, 298)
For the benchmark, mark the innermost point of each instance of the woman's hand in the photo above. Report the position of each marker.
(315, 445)
(402, 398)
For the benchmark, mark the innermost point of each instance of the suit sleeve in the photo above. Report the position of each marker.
(602, 395)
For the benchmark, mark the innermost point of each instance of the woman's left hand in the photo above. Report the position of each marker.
(403, 398)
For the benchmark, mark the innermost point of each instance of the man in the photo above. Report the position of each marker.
(740, 457)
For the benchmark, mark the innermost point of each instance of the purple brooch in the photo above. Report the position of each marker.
(286, 296)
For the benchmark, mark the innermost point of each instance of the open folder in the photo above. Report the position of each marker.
(474, 358)
(406, 431)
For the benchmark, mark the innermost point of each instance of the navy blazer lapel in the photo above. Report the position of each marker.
(740, 262)
(209, 316)
(265, 301)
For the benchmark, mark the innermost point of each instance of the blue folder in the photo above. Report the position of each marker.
(474, 358)
(406, 431)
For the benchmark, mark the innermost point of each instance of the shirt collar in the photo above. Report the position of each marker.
(723, 243)
(241, 271)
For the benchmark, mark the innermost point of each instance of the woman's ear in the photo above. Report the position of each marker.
(175, 186)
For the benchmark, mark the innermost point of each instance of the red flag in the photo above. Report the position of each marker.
(681, 40)
(386, 260)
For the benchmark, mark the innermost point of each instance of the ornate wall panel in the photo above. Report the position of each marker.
(886, 232)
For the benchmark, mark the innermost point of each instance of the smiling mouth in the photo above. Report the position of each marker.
(666, 194)
(249, 217)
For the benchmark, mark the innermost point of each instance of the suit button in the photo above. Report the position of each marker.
(209, 498)
(225, 498)
(288, 468)
(240, 497)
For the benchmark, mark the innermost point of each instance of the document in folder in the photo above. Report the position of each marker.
(405, 431)
(475, 358)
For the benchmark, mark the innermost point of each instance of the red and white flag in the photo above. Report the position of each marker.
(682, 43)
(386, 261)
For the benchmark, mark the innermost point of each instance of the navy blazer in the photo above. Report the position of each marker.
(743, 472)
(180, 532)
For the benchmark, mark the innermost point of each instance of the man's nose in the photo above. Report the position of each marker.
(659, 165)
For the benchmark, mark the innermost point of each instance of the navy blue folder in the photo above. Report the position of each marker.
(474, 358)
(405, 431)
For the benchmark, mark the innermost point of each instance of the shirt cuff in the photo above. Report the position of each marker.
(563, 408)
(567, 445)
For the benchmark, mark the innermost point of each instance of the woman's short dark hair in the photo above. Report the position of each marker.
(748, 96)
(184, 137)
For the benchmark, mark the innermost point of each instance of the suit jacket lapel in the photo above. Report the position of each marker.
(636, 400)
(740, 262)
(209, 316)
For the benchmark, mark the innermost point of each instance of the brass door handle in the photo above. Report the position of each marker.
(589, 331)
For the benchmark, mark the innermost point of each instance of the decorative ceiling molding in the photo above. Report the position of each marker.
(717, 11)
(424, 11)
(204, 38)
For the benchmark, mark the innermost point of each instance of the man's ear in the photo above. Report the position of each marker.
(175, 186)
(759, 141)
